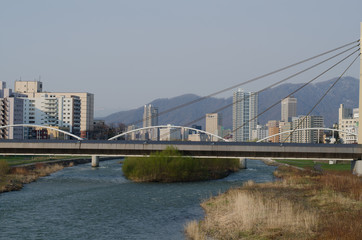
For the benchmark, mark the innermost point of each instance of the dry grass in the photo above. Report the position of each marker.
(193, 229)
(343, 182)
(244, 213)
(4, 168)
(302, 205)
(18, 176)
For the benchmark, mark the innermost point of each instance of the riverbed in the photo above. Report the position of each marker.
(82, 202)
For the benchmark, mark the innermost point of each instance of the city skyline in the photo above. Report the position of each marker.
(164, 47)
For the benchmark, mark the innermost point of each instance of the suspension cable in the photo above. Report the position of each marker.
(246, 82)
(315, 78)
(329, 89)
(281, 81)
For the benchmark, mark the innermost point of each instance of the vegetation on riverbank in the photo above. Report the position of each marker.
(323, 165)
(14, 160)
(170, 166)
(304, 204)
(12, 179)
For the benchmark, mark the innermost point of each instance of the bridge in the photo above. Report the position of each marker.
(214, 149)
(351, 152)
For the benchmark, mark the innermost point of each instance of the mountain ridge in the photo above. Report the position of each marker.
(345, 92)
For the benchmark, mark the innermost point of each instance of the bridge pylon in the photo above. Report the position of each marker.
(360, 93)
(357, 164)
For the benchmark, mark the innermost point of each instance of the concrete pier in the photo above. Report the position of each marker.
(356, 166)
(95, 161)
(242, 163)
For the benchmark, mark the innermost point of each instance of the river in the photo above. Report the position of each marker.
(81, 202)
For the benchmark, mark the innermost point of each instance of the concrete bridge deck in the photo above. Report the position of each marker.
(215, 149)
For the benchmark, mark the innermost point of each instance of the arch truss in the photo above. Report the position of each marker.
(306, 129)
(167, 126)
(41, 126)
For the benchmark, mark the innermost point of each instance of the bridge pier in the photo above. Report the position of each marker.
(242, 163)
(95, 161)
(356, 166)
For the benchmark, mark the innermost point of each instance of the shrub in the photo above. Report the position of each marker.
(170, 166)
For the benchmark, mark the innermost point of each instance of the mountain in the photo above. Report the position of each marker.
(345, 91)
(181, 116)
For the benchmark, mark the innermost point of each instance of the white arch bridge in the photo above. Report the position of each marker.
(119, 135)
(167, 127)
(41, 126)
(307, 129)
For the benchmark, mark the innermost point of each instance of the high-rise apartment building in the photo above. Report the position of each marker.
(150, 116)
(289, 109)
(245, 110)
(49, 110)
(68, 106)
(213, 124)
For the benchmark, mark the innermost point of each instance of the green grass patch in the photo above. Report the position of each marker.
(13, 160)
(340, 166)
(170, 166)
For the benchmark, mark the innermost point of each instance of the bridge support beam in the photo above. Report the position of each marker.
(242, 163)
(356, 166)
(95, 161)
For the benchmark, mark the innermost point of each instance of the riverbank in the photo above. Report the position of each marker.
(13, 178)
(304, 204)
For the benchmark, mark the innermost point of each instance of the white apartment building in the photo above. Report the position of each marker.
(49, 110)
(348, 122)
(11, 112)
(68, 107)
(245, 110)
(170, 134)
(307, 136)
(260, 132)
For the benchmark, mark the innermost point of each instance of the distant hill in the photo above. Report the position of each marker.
(345, 91)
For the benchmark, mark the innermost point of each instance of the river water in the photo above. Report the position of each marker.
(86, 203)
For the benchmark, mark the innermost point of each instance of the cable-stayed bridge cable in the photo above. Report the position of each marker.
(246, 82)
(298, 89)
(329, 89)
(283, 80)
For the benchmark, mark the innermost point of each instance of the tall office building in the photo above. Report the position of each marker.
(245, 110)
(213, 124)
(289, 109)
(150, 118)
(85, 106)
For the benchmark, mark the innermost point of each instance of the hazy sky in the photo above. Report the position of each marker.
(129, 53)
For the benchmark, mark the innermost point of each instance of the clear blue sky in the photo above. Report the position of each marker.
(129, 53)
